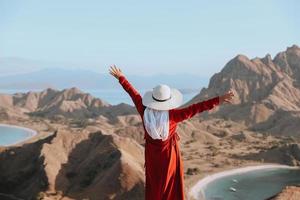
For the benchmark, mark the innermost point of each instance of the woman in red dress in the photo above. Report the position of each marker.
(157, 108)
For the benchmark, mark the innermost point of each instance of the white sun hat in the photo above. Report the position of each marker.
(162, 97)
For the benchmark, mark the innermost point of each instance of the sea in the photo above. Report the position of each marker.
(10, 135)
(254, 185)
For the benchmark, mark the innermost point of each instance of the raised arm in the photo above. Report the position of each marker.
(133, 93)
(179, 115)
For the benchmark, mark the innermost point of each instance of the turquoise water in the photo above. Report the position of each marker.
(255, 185)
(12, 135)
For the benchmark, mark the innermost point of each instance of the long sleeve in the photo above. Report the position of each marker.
(188, 112)
(133, 93)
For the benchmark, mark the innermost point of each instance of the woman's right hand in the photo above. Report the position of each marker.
(115, 71)
(227, 97)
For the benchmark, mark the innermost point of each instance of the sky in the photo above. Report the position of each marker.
(147, 37)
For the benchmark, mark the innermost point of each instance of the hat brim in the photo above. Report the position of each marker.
(174, 102)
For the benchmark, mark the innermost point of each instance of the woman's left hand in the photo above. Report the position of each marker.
(226, 97)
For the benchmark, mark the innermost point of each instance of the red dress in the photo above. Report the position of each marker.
(163, 164)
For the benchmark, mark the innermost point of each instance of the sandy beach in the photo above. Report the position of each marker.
(201, 185)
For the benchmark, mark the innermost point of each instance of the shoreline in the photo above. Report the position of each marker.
(30, 133)
(200, 186)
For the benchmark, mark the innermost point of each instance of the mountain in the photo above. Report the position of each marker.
(15, 65)
(70, 103)
(267, 92)
(60, 78)
(55, 78)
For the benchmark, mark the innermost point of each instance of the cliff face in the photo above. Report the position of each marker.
(266, 90)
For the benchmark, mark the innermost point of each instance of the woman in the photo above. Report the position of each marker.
(163, 164)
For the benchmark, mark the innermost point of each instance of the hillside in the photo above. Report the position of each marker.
(90, 165)
(267, 92)
(69, 103)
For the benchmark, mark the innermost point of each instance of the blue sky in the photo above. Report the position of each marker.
(195, 37)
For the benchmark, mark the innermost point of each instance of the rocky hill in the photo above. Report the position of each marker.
(90, 165)
(50, 103)
(267, 92)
